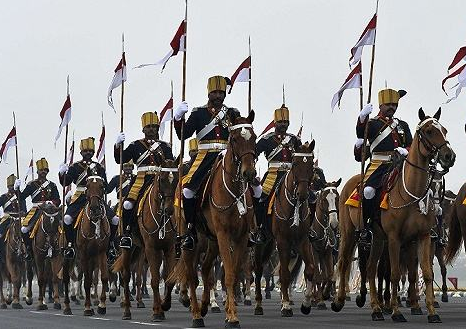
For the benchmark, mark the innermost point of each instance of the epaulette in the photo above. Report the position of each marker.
(198, 108)
(268, 135)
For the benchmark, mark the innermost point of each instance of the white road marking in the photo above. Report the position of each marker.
(99, 318)
(144, 323)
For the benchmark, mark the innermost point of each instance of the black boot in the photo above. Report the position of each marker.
(69, 252)
(365, 237)
(111, 251)
(260, 214)
(28, 243)
(126, 241)
(189, 208)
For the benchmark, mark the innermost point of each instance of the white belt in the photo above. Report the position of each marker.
(383, 158)
(81, 188)
(40, 203)
(151, 168)
(212, 146)
(280, 165)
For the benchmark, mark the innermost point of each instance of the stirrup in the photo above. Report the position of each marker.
(126, 242)
(365, 239)
(178, 247)
(252, 239)
(188, 242)
(69, 252)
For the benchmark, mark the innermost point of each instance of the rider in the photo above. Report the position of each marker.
(78, 173)
(385, 135)
(148, 154)
(278, 147)
(210, 123)
(10, 205)
(41, 191)
(128, 179)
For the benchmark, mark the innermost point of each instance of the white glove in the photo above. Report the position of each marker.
(120, 138)
(63, 168)
(181, 110)
(366, 111)
(17, 184)
(358, 143)
(68, 196)
(402, 151)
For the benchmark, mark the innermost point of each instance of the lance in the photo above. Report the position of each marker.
(62, 242)
(366, 126)
(32, 157)
(17, 165)
(283, 94)
(104, 160)
(171, 116)
(120, 198)
(250, 80)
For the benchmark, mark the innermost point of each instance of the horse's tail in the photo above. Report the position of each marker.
(455, 237)
(119, 264)
(179, 273)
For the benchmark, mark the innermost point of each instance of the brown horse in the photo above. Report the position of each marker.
(291, 222)
(158, 238)
(457, 226)
(15, 265)
(47, 252)
(91, 245)
(227, 210)
(409, 217)
(323, 238)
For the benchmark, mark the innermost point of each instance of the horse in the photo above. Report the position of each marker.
(227, 214)
(46, 250)
(409, 217)
(158, 238)
(92, 239)
(457, 226)
(291, 222)
(323, 238)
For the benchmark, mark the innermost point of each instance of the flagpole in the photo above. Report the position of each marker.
(17, 163)
(283, 95)
(32, 157)
(103, 146)
(171, 116)
(183, 98)
(120, 199)
(250, 80)
(65, 161)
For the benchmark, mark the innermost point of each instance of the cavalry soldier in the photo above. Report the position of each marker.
(148, 154)
(78, 173)
(210, 123)
(11, 207)
(278, 147)
(41, 191)
(128, 179)
(386, 135)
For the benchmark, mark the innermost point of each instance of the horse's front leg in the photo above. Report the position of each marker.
(66, 286)
(41, 282)
(138, 280)
(308, 259)
(102, 308)
(412, 265)
(258, 271)
(394, 246)
(284, 255)
(440, 253)
(88, 279)
(154, 258)
(30, 276)
(170, 265)
(428, 275)
(55, 266)
(207, 277)
(374, 258)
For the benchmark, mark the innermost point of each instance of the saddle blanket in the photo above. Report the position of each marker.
(355, 199)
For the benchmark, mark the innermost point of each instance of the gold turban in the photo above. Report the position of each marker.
(42, 164)
(388, 95)
(281, 114)
(149, 118)
(87, 144)
(10, 181)
(216, 83)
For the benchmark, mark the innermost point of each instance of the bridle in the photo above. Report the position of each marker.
(48, 246)
(324, 224)
(95, 219)
(14, 235)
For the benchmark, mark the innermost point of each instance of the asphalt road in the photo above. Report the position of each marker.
(451, 313)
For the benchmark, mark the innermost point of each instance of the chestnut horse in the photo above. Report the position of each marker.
(15, 265)
(457, 226)
(227, 210)
(47, 252)
(409, 217)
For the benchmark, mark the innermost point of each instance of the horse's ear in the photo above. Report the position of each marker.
(312, 144)
(177, 160)
(251, 116)
(233, 114)
(338, 182)
(438, 113)
(422, 115)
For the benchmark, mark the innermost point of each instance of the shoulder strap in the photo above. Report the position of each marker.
(279, 148)
(210, 126)
(146, 154)
(41, 187)
(11, 200)
(383, 134)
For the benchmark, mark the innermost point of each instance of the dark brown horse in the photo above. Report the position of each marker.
(228, 212)
(409, 217)
(457, 226)
(15, 264)
(47, 252)
(158, 233)
(291, 222)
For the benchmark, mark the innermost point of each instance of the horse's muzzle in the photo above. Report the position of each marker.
(447, 157)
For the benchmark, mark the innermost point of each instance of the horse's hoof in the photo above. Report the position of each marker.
(145, 296)
(287, 312)
(140, 304)
(16, 306)
(3, 306)
(336, 307)
(403, 298)
(321, 306)
(434, 318)
(305, 310)
(126, 316)
(326, 296)
(416, 311)
(377, 316)
(436, 304)
(291, 302)
(57, 306)
(112, 298)
(41, 307)
(387, 310)
(313, 303)
(29, 301)
(158, 317)
(215, 309)
(348, 298)
(232, 325)
(67, 311)
(102, 310)
(73, 298)
(247, 302)
(9, 301)
(198, 323)
(166, 305)
(268, 295)
(88, 312)
(185, 303)
(444, 297)
(50, 300)
(360, 300)
(398, 318)
(258, 310)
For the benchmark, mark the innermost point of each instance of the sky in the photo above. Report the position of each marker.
(303, 44)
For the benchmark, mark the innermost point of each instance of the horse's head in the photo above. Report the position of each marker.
(302, 168)
(328, 202)
(242, 142)
(95, 194)
(52, 217)
(167, 182)
(433, 141)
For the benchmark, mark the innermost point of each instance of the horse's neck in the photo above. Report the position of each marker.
(286, 192)
(230, 167)
(416, 179)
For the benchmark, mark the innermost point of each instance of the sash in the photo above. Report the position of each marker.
(8, 203)
(124, 185)
(146, 154)
(81, 176)
(382, 135)
(278, 148)
(37, 192)
(210, 126)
